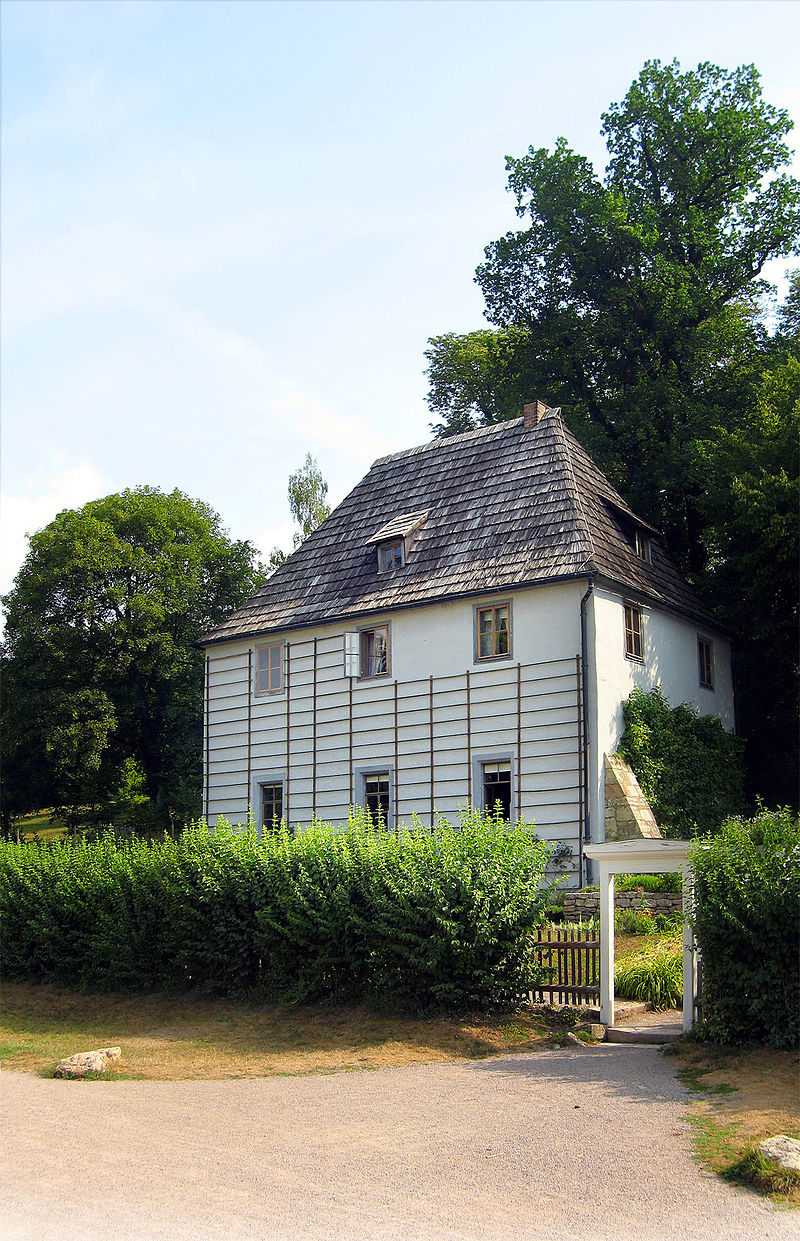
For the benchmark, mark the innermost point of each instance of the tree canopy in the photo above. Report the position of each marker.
(100, 666)
(634, 301)
(624, 297)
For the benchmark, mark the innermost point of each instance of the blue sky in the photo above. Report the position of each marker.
(229, 228)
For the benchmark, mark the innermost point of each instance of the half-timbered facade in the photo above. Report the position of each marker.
(462, 629)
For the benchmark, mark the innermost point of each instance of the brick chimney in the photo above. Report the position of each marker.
(533, 413)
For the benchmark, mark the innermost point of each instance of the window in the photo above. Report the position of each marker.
(642, 546)
(376, 797)
(271, 805)
(391, 556)
(497, 788)
(269, 668)
(705, 663)
(375, 652)
(494, 632)
(633, 632)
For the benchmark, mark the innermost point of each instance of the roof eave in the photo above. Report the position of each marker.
(529, 583)
(636, 593)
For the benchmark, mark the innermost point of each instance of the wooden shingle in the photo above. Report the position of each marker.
(505, 506)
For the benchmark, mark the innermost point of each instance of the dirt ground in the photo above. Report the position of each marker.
(741, 1095)
(574, 1143)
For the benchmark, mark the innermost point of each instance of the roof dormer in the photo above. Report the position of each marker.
(395, 539)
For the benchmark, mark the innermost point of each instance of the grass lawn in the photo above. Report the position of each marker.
(42, 826)
(195, 1037)
(742, 1095)
(190, 1037)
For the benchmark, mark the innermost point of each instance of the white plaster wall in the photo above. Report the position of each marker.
(670, 662)
(438, 641)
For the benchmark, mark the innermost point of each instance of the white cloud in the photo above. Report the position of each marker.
(43, 496)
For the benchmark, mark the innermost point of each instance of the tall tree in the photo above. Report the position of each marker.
(631, 300)
(100, 666)
(753, 542)
(307, 504)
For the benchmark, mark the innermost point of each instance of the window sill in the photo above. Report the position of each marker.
(492, 659)
(634, 659)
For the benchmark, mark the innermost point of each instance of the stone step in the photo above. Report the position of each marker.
(666, 1033)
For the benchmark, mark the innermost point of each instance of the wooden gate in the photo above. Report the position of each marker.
(572, 956)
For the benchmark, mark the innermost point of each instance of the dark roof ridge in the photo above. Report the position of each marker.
(442, 440)
(609, 493)
(563, 442)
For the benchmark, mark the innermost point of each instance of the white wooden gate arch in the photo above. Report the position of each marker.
(646, 857)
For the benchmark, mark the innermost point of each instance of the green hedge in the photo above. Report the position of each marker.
(418, 919)
(747, 922)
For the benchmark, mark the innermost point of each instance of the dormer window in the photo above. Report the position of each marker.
(637, 533)
(391, 556)
(395, 539)
(642, 546)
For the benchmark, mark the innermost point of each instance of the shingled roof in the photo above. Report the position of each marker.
(505, 506)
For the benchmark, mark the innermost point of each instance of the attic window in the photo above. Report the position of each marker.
(391, 555)
(394, 539)
(642, 546)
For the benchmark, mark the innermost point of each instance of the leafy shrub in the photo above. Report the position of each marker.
(689, 767)
(655, 975)
(634, 922)
(420, 919)
(669, 882)
(746, 918)
(669, 924)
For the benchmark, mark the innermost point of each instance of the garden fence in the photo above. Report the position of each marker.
(574, 963)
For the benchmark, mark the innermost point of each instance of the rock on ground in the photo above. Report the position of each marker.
(782, 1150)
(84, 1062)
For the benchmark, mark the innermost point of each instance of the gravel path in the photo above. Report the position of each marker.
(585, 1143)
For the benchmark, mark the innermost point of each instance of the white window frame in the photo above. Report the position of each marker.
(628, 606)
(257, 784)
(703, 641)
(479, 763)
(363, 774)
(398, 560)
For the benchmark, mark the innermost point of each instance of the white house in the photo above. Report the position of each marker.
(463, 628)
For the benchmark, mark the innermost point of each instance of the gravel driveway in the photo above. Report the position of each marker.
(586, 1144)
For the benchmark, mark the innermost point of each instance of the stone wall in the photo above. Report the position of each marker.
(627, 813)
(585, 902)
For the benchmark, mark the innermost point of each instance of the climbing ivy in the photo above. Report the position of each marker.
(688, 766)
